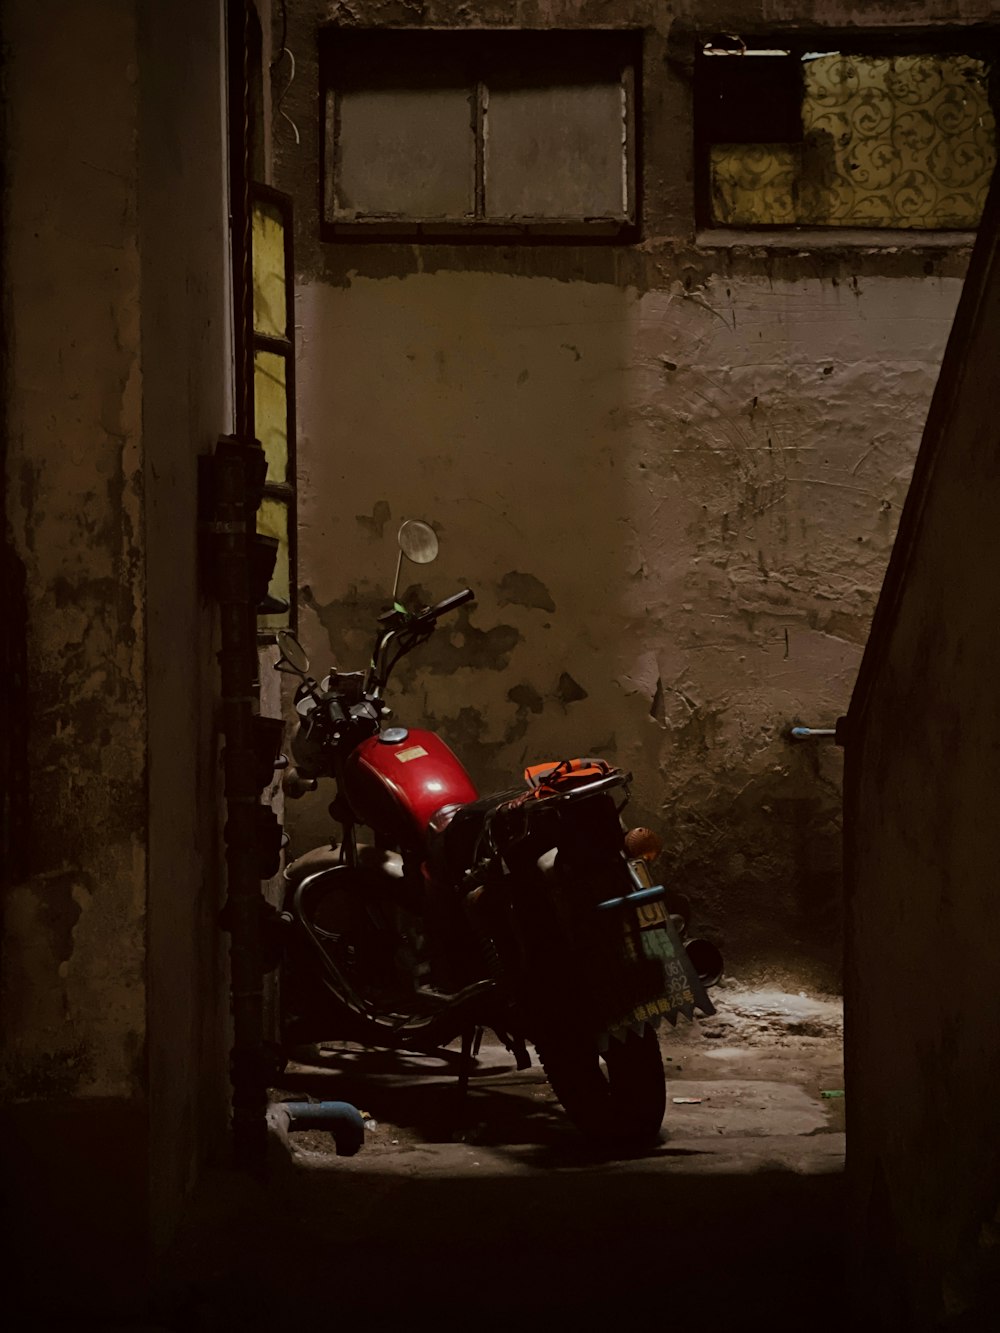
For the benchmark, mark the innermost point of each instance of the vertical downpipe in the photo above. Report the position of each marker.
(235, 522)
(243, 902)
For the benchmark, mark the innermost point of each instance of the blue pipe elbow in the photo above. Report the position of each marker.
(341, 1118)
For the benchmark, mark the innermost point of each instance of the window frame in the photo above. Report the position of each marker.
(475, 53)
(983, 43)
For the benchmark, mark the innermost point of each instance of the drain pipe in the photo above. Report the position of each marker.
(242, 912)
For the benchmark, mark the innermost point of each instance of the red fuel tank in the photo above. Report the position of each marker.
(396, 781)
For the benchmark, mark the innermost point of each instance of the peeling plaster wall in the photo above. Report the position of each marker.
(118, 365)
(672, 472)
(73, 985)
(922, 985)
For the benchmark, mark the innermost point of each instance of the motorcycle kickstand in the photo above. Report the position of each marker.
(472, 1039)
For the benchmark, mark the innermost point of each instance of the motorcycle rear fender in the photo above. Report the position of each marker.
(609, 977)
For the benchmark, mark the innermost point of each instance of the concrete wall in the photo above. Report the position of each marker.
(187, 403)
(922, 992)
(672, 471)
(118, 366)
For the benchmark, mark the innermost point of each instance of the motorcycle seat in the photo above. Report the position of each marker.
(455, 832)
(458, 835)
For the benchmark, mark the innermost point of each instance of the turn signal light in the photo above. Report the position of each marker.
(642, 844)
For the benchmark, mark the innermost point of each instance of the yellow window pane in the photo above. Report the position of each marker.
(269, 294)
(907, 141)
(899, 141)
(754, 184)
(272, 521)
(270, 405)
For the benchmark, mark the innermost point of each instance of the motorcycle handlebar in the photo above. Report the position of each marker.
(449, 604)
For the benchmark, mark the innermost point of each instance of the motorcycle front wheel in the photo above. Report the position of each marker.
(616, 1097)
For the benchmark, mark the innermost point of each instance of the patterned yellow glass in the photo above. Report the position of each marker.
(907, 141)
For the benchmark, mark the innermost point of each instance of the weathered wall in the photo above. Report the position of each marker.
(672, 472)
(118, 375)
(73, 963)
(922, 993)
(73, 984)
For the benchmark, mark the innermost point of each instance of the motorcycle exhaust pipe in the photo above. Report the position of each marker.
(706, 960)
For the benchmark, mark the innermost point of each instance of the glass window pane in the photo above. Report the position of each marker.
(900, 141)
(272, 521)
(903, 142)
(404, 152)
(556, 152)
(269, 294)
(755, 184)
(270, 405)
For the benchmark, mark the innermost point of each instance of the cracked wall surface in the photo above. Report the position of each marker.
(672, 472)
(73, 978)
(117, 360)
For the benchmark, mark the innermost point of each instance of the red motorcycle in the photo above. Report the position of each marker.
(530, 912)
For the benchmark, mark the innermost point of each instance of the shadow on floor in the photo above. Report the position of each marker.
(628, 1246)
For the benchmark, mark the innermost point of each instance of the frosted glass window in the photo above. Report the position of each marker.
(270, 404)
(556, 152)
(270, 295)
(505, 133)
(405, 152)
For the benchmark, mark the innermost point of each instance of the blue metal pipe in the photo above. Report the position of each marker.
(341, 1118)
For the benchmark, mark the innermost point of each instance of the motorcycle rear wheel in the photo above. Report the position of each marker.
(617, 1097)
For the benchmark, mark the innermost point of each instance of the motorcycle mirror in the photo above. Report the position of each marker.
(418, 541)
(293, 657)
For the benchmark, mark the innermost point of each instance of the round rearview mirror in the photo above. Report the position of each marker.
(293, 655)
(418, 541)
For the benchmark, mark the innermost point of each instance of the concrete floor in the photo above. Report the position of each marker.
(496, 1215)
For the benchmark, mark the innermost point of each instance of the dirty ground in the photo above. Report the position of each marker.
(495, 1214)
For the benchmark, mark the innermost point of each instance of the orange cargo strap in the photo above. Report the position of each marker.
(567, 773)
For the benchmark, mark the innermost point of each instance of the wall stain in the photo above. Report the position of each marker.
(517, 589)
(467, 646)
(526, 697)
(49, 1076)
(58, 909)
(528, 703)
(457, 644)
(465, 732)
(375, 525)
(569, 690)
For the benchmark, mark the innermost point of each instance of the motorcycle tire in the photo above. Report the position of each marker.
(616, 1097)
